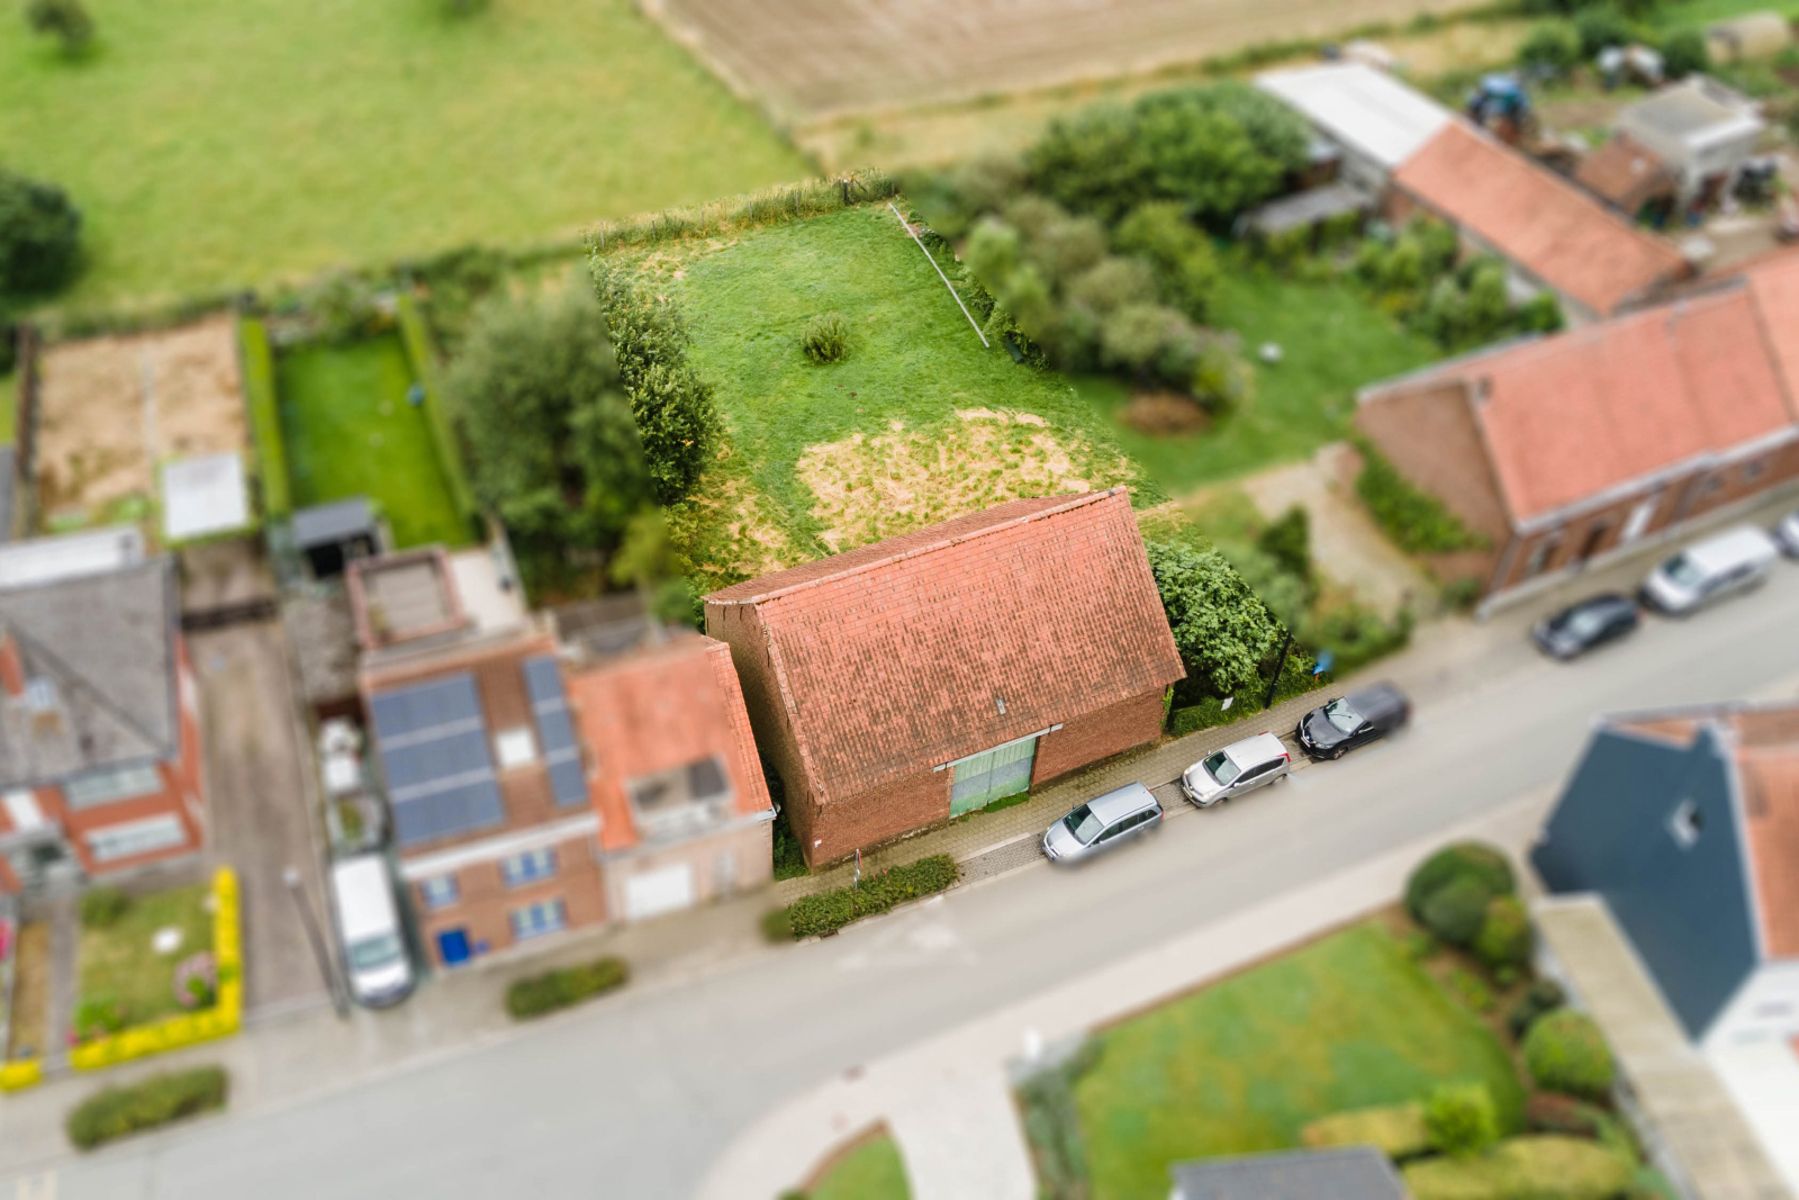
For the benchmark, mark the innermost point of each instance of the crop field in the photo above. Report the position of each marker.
(814, 58)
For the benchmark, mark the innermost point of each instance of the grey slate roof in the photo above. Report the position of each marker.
(98, 653)
(1350, 1173)
(323, 524)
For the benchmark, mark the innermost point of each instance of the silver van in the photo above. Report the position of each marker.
(1102, 824)
(1719, 566)
(376, 962)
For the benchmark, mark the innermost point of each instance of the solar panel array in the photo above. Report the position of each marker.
(555, 733)
(434, 753)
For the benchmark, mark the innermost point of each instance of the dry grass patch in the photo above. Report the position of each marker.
(729, 531)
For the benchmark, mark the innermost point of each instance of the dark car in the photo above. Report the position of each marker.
(1334, 729)
(1586, 625)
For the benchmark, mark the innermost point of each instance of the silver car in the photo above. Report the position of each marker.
(1238, 768)
(1102, 824)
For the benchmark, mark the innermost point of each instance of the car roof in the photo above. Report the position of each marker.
(1257, 749)
(1118, 803)
(1602, 600)
(1373, 699)
(1746, 543)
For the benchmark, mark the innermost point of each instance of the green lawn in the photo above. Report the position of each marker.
(1333, 341)
(1242, 1065)
(9, 400)
(349, 430)
(872, 1171)
(212, 143)
(120, 963)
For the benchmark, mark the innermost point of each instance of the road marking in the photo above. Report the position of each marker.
(37, 1187)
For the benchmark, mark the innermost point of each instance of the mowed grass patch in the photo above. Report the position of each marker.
(350, 430)
(212, 143)
(120, 964)
(872, 1170)
(913, 372)
(1333, 341)
(1242, 1065)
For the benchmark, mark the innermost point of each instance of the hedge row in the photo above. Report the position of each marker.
(258, 362)
(535, 995)
(1396, 1130)
(806, 199)
(826, 912)
(1544, 1166)
(1415, 520)
(115, 1112)
(422, 354)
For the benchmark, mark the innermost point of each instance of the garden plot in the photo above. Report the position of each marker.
(111, 410)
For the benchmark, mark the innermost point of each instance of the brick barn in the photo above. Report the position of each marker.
(929, 675)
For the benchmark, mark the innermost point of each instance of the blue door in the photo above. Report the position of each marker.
(452, 947)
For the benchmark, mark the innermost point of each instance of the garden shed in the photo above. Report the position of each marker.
(330, 535)
(1307, 210)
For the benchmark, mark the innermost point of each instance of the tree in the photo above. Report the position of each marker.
(1601, 27)
(676, 416)
(647, 561)
(1551, 50)
(1224, 633)
(1186, 265)
(40, 236)
(555, 451)
(1684, 53)
(1288, 540)
(65, 20)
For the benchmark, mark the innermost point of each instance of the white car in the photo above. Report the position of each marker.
(1786, 533)
(1238, 768)
(368, 926)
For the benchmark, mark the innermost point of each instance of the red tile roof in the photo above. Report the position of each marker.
(941, 643)
(1544, 224)
(657, 709)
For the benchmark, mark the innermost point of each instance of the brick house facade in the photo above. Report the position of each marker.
(906, 682)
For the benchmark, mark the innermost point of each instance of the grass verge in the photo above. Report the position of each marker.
(120, 968)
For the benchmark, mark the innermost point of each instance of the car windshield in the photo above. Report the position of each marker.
(1221, 768)
(1084, 825)
(1684, 571)
(1585, 623)
(1344, 717)
(373, 952)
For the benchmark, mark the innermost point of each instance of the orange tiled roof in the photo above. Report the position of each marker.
(1626, 173)
(1541, 222)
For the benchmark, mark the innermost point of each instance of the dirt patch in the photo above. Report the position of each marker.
(112, 409)
(1159, 413)
(30, 1031)
(728, 533)
(870, 487)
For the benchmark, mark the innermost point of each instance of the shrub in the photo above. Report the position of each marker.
(827, 338)
(1052, 1125)
(1185, 264)
(1483, 863)
(1223, 630)
(1600, 27)
(1684, 53)
(102, 907)
(1551, 1112)
(564, 987)
(66, 20)
(824, 913)
(1462, 593)
(157, 1100)
(1471, 990)
(777, 926)
(1357, 635)
(1288, 540)
(97, 1016)
(1415, 520)
(1544, 996)
(1460, 1119)
(1454, 912)
(1551, 50)
(1565, 1052)
(1538, 1167)
(1505, 937)
(1542, 313)
(40, 236)
(1396, 1130)
(265, 417)
(196, 980)
(1221, 382)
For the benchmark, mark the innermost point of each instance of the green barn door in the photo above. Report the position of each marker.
(980, 779)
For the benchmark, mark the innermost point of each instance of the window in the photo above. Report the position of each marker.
(440, 891)
(515, 748)
(136, 837)
(1540, 555)
(528, 867)
(683, 800)
(1685, 824)
(535, 920)
(104, 787)
(1752, 470)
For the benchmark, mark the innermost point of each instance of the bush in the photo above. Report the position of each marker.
(1551, 49)
(258, 363)
(1476, 860)
(1459, 1119)
(1454, 912)
(102, 907)
(66, 20)
(824, 913)
(535, 995)
(777, 926)
(1684, 53)
(1539, 1167)
(1396, 1130)
(1052, 1125)
(1565, 1052)
(1471, 990)
(422, 354)
(1415, 520)
(1505, 938)
(827, 338)
(40, 236)
(1288, 541)
(156, 1100)
(1544, 996)
(1600, 27)
(1185, 264)
(1225, 633)
(1357, 635)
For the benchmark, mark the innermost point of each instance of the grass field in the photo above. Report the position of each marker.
(872, 1171)
(349, 430)
(1242, 1065)
(120, 962)
(212, 143)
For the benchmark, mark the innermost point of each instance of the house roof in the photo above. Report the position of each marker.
(1625, 173)
(1361, 107)
(952, 639)
(97, 656)
(337, 521)
(1693, 112)
(1346, 1173)
(1542, 223)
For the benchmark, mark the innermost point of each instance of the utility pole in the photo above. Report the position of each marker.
(1279, 666)
(314, 935)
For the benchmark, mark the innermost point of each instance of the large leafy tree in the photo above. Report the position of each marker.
(40, 235)
(1224, 632)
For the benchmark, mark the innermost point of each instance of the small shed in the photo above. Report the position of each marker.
(1628, 175)
(1307, 210)
(330, 535)
(1701, 129)
(1754, 35)
(203, 496)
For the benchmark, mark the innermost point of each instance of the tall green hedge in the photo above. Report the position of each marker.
(420, 351)
(1417, 521)
(563, 987)
(265, 417)
(1543, 1167)
(156, 1100)
(826, 912)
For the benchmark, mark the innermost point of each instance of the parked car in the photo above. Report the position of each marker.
(1719, 566)
(376, 962)
(1103, 823)
(1238, 768)
(1338, 726)
(1586, 625)
(1786, 534)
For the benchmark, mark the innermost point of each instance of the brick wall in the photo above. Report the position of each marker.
(737, 626)
(484, 902)
(1087, 739)
(1429, 435)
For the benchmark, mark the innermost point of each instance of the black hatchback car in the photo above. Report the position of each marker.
(1586, 625)
(1334, 729)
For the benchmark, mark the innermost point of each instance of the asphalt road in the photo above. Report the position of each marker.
(635, 1096)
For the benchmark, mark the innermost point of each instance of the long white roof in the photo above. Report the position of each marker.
(1362, 107)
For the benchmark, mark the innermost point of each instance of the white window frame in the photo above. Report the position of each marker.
(128, 839)
(555, 922)
(112, 785)
(515, 747)
(439, 892)
(528, 867)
